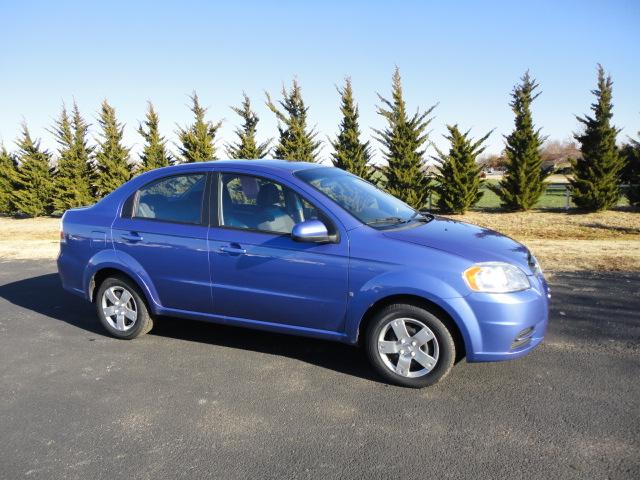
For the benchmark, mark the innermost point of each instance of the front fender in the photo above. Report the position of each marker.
(418, 284)
(125, 263)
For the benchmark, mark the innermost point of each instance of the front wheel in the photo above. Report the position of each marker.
(121, 308)
(409, 346)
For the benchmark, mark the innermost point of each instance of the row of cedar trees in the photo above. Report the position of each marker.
(30, 186)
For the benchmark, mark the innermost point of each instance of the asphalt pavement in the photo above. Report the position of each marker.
(196, 400)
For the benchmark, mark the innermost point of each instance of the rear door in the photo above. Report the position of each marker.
(164, 229)
(259, 273)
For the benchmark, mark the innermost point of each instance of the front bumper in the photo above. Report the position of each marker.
(504, 326)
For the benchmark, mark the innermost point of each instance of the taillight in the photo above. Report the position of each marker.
(62, 238)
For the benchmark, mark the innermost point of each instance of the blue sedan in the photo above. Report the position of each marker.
(309, 250)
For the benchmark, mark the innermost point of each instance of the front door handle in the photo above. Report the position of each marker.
(233, 250)
(131, 237)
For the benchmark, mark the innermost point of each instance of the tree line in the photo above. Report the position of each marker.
(31, 185)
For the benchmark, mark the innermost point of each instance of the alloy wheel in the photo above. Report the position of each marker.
(119, 308)
(408, 347)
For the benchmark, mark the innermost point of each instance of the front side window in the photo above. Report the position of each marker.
(173, 199)
(361, 199)
(261, 204)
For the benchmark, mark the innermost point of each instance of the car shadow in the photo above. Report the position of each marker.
(44, 295)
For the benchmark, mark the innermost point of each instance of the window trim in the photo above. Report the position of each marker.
(204, 207)
(219, 187)
(128, 206)
(212, 200)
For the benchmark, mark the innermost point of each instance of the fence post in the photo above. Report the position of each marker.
(567, 197)
(430, 193)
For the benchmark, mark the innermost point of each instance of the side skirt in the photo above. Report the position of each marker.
(255, 324)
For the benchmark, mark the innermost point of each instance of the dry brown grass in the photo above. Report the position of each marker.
(29, 238)
(561, 241)
(17, 229)
(611, 225)
(28, 250)
(570, 241)
(587, 255)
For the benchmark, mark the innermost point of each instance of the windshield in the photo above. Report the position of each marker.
(361, 199)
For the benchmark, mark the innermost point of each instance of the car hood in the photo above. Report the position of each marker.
(469, 241)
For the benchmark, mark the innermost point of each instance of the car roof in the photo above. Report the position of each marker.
(265, 165)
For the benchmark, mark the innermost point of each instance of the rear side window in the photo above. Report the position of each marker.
(175, 199)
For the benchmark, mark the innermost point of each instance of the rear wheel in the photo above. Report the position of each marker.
(121, 308)
(409, 346)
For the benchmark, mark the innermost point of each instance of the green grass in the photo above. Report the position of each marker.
(552, 199)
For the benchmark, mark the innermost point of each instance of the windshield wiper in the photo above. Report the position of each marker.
(389, 220)
(418, 216)
(424, 217)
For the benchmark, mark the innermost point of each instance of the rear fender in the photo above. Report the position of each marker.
(127, 265)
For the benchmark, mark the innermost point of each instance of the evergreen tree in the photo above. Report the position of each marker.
(630, 154)
(247, 146)
(296, 142)
(459, 179)
(523, 182)
(596, 176)
(403, 141)
(197, 140)
(350, 153)
(73, 174)
(8, 166)
(112, 159)
(33, 182)
(154, 154)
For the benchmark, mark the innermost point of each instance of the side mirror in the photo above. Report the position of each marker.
(311, 231)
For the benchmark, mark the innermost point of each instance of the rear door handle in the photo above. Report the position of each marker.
(131, 237)
(233, 250)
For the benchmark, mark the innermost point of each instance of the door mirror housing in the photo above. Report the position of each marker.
(311, 231)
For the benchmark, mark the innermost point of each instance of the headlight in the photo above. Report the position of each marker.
(495, 277)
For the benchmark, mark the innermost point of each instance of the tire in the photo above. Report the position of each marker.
(129, 320)
(403, 335)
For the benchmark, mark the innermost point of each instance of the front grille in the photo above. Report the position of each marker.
(523, 338)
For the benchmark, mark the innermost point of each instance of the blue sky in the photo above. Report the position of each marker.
(466, 56)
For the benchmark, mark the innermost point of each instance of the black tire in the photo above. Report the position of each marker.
(143, 322)
(443, 341)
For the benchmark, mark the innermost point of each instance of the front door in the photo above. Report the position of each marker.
(165, 232)
(259, 273)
